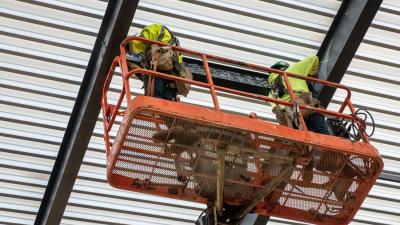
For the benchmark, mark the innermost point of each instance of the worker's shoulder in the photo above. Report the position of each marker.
(312, 59)
(153, 26)
(308, 61)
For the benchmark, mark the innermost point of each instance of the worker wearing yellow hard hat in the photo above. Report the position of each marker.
(136, 53)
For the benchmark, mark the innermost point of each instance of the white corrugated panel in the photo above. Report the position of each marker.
(45, 46)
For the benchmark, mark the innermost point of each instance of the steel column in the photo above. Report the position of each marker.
(261, 220)
(341, 42)
(114, 28)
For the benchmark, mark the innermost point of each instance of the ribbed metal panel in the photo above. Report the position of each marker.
(45, 46)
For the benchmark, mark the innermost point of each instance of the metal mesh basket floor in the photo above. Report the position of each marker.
(180, 151)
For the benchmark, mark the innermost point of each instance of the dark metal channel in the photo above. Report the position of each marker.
(342, 41)
(230, 77)
(261, 220)
(393, 177)
(113, 30)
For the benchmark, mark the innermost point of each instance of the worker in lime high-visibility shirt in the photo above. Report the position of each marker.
(307, 67)
(315, 121)
(137, 50)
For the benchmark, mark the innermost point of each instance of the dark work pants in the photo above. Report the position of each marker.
(161, 88)
(316, 122)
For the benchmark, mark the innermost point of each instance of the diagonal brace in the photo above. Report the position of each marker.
(282, 176)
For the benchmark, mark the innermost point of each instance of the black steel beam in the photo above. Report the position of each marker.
(230, 77)
(342, 41)
(261, 220)
(390, 176)
(114, 28)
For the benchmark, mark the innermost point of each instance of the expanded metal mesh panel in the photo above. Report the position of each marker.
(182, 161)
(180, 157)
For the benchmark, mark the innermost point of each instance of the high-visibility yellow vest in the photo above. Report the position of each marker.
(155, 32)
(306, 67)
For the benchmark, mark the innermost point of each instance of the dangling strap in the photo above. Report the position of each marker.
(161, 35)
(153, 65)
(174, 40)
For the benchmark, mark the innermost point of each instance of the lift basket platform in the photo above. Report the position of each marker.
(193, 153)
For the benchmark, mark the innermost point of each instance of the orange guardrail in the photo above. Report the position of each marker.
(121, 61)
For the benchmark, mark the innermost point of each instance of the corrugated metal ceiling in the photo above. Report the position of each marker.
(44, 49)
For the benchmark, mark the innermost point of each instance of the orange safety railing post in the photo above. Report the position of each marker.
(106, 108)
(346, 100)
(124, 63)
(293, 97)
(343, 106)
(288, 86)
(210, 82)
(119, 102)
(127, 87)
(125, 70)
(359, 124)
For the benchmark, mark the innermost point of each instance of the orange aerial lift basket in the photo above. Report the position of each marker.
(242, 164)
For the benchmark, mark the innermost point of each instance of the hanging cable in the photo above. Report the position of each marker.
(353, 131)
(350, 129)
(366, 114)
(199, 220)
(208, 218)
